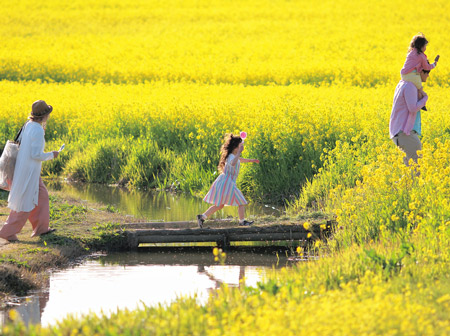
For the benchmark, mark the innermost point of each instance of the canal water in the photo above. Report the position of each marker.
(102, 284)
(155, 205)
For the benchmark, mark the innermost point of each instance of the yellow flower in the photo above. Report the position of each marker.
(443, 298)
(13, 315)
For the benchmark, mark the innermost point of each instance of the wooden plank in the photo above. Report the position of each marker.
(224, 235)
(220, 237)
(268, 236)
(180, 238)
(289, 232)
(227, 231)
(177, 225)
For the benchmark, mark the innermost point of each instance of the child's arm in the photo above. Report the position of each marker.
(237, 156)
(425, 64)
(248, 160)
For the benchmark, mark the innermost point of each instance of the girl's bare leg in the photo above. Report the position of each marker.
(241, 212)
(201, 218)
(420, 94)
(212, 210)
(242, 220)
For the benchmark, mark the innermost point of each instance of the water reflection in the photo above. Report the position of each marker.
(29, 308)
(106, 283)
(153, 205)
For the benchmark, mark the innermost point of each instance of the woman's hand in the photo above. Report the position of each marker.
(55, 154)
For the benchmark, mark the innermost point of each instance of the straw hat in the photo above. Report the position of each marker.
(40, 109)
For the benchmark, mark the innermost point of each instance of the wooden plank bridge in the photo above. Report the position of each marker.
(187, 232)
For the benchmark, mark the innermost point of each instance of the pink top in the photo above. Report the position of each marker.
(405, 108)
(416, 61)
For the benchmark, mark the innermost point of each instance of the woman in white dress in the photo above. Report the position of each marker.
(28, 198)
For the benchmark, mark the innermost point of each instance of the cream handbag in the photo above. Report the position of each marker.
(8, 162)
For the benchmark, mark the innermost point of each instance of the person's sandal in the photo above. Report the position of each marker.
(246, 223)
(49, 231)
(200, 221)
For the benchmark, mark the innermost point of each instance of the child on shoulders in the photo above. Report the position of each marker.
(415, 62)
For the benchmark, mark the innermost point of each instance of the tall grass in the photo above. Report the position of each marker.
(181, 138)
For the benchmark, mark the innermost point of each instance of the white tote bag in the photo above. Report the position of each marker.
(7, 164)
(8, 161)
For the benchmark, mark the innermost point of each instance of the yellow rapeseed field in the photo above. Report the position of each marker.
(240, 42)
(148, 89)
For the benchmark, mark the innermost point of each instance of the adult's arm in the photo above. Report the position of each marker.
(37, 146)
(413, 105)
